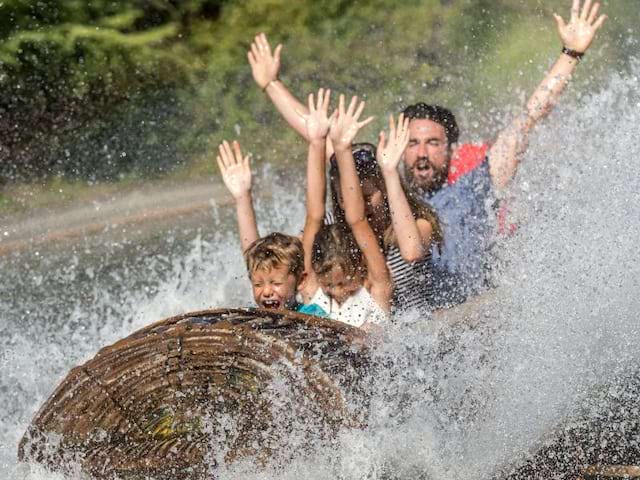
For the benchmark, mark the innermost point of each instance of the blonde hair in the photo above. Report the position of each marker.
(274, 250)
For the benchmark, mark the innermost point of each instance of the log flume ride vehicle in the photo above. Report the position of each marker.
(175, 397)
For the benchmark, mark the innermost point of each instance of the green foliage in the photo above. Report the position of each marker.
(165, 80)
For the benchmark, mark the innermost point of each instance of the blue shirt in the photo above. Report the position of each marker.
(312, 309)
(468, 223)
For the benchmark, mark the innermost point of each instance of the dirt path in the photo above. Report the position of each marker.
(142, 207)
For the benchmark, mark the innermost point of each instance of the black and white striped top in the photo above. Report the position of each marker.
(413, 282)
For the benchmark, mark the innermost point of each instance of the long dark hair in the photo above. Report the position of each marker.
(364, 156)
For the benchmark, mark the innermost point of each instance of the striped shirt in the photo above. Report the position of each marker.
(413, 282)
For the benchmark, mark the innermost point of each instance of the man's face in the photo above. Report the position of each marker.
(275, 288)
(426, 158)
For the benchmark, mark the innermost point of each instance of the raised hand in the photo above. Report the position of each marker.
(345, 124)
(265, 64)
(389, 152)
(236, 170)
(317, 120)
(578, 34)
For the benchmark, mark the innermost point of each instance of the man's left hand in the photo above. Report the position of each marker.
(578, 34)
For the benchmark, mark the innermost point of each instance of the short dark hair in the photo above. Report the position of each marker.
(435, 113)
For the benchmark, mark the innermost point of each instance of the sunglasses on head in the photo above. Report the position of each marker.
(364, 156)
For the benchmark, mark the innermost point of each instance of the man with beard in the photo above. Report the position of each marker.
(456, 181)
(461, 182)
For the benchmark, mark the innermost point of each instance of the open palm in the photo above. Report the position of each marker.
(346, 122)
(390, 150)
(235, 169)
(578, 34)
(265, 64)
(317, 120)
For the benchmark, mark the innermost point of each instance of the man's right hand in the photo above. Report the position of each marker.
(265, 65)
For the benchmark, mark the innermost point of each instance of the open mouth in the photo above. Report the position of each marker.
(423, 165)
(271, 304)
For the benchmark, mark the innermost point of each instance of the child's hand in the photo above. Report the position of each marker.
(317, 120)
(236, 170)
(264, 64)
(390, 152)
(345, 124)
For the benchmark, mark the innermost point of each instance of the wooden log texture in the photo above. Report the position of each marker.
(612, 472)
(159, 403)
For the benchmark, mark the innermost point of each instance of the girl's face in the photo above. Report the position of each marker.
(339, 286)
(374, 206)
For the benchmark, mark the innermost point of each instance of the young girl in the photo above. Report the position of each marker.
(391, 210)
(346, 271)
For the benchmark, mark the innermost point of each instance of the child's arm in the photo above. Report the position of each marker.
(265, 66)
(413, 236)
(236, 174)
(343, 130)
(317, 125)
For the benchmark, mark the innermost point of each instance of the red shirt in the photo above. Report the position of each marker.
(467, 157)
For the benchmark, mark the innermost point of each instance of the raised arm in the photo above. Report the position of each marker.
(317, 126)
(265, 67)
(577, 36)
(342, 132)
(413, 236)
(236, 174)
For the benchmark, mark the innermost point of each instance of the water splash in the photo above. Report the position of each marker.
(462, 403)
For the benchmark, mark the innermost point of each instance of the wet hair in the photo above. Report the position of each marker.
(274, 250)
(435, 113)
(364, 155)
(333, 246)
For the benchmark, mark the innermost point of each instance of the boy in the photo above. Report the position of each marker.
(275, 262)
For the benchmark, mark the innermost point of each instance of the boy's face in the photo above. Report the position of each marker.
(275, 288)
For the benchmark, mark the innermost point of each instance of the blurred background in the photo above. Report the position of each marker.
(106, 94)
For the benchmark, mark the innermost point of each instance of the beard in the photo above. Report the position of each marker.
(424, 177)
